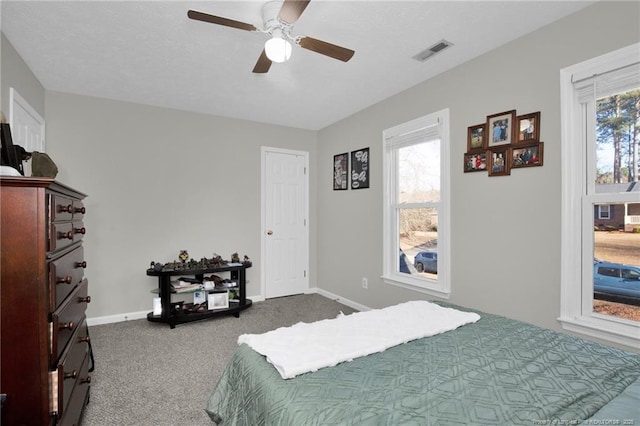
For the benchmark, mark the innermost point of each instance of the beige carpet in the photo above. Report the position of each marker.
(149, 374)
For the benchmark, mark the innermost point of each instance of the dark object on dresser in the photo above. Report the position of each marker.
(42, 165)
(45, 354)
(9, 153)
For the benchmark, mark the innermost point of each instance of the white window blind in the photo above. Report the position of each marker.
(609, 83)
(429, 132)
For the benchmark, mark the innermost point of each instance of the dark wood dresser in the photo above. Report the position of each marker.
(44, 347)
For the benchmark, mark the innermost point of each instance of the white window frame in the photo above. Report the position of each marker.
(579, 196)
(441, 286)
(604, 211)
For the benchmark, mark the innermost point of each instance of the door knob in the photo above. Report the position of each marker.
(269, 232)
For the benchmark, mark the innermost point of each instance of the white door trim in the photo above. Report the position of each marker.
(263, 226)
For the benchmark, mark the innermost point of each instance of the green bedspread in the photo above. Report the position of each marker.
(496, 371)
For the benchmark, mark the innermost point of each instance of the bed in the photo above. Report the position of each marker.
(492, 371)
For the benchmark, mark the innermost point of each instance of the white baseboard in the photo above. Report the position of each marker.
(256, 298)
(130, 316)
(339, 299)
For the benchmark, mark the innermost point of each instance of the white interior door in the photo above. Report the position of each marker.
(285, 233)
(27, 126)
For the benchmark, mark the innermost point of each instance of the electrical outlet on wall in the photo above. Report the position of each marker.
(365, 283)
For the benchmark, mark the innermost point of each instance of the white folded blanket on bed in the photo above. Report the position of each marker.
(306, 347)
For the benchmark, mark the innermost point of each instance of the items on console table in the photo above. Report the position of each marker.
(217, 289)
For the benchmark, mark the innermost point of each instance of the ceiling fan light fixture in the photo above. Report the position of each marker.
(277, 49)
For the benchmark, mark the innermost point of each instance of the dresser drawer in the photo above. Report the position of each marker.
(65, 273)
(61, 208)
(71, 372)
(78, 210)
(79, 398)
(67, 318)
(64, 234)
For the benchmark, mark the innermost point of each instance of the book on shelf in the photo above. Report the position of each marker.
(188, 288)
(189, 280)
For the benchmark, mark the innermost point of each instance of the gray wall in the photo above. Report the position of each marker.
(15, 73)
(159, 181)
(505, 230)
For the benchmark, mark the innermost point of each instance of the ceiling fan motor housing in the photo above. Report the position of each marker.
(270, 13)
(279, 17)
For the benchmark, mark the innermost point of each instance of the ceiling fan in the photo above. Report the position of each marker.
(279, 18)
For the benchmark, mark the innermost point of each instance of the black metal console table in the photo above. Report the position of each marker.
(238, 274)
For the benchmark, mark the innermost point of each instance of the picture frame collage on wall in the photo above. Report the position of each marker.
(503, 142)
(359, 177)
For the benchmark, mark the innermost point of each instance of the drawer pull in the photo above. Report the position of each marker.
(79, 230)
(71, 375)
(85, 380)
(65, 209)
(66, 325)
(86, 299)
(82, 264)
(84, 339)
(65, 280)
(67, 235)
(80, 210)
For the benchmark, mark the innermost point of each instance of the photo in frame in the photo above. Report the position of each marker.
(476, 138)
(528, 128)
(475, 162)
(499, 162)
(501, 129)
(218, 300)
(360, 169)
(341, 172)
(527, 156)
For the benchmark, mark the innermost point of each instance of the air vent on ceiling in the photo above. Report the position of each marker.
(432, 50)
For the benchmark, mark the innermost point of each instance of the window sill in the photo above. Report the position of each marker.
(416, 285)
(610, 331)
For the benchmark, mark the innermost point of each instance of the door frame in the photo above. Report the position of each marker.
(304, 259)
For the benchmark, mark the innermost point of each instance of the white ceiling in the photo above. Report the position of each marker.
(149, 52)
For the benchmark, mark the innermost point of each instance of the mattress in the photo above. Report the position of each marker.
(495, 371)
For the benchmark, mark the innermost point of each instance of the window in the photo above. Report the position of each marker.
(609, 272)
(603, 212)
(629, 274)
(416, 204)
(600, 122)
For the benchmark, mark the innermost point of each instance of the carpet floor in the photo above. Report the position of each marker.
(148, 374)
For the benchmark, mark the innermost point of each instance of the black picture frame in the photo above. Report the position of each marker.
(7, 150)
(341, 172)
(360, 169)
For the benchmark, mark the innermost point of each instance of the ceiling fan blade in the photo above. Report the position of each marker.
(291, 10)
(341, 53)
(212, 19)
(263, 64)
